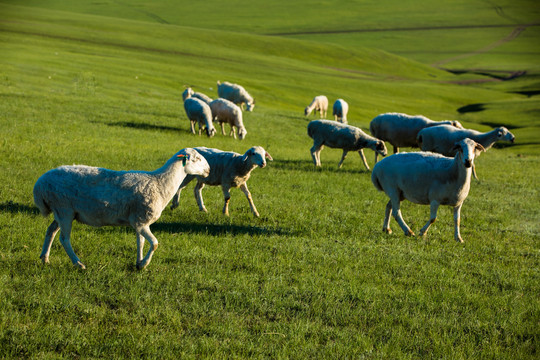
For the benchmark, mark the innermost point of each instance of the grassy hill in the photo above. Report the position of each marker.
(93, 83)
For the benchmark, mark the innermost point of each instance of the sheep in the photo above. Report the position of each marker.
(235, 93)
(400, 130)
(102, 197)
(226, 111)
(439, 139)
(341, 136)
(198, 111)
(319, 103)
(426, 179)
(340, 110)
(190, 93)
(228, 169)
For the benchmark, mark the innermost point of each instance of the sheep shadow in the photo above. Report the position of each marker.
(144, 126)
(216, 229)
(16, 208)
(307, 165)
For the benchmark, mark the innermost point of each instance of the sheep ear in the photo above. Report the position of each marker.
(267, 155)
(479, 148)
(184, 158)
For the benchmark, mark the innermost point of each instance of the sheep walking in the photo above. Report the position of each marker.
(235, 93)
(190, 93)
(102, 197)
(400, 130)
(439, 139)
(226, 111)
(228, 169)
(320, 104)
(426, 179)
(341, 136)
(340, 110)
(199, 112)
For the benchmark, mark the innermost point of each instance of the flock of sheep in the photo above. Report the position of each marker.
(439, 175)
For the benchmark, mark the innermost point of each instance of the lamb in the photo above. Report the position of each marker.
(439, 139)
(341, 136)
(319, 103)
(235, 93)
(226, 111)
(102, 197)
(228, 169)
(199, 112)
(400, 130)
(426, 179)
(340, 110)
(190, 93)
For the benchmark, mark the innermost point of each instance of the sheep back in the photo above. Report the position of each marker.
(337, 135)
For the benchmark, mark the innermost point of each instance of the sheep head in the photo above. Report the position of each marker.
(257, 156)
(468, 150)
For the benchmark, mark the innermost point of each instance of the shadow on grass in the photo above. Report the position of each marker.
(15, 208)
(307, 165)
(217, 229)
(143, 126)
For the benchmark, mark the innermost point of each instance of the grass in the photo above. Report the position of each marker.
(314, 276)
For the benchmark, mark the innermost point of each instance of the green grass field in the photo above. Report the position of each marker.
(100, 83)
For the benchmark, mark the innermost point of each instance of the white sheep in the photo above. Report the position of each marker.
(400, 130)
(226, 111)
(102, 197)
(228, 169)
(199, 112)
(320, 104)
(190, 93)
(439, 139)
(235, 93)
(426, 179)
(340, 110)
(341, 136)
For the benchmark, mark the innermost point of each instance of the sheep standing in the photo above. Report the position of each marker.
(340, 110)
(235, 93)
(439, 139)
(426, 179)
(190, 93)
(100, 197)
(228, 169)
(320, 104)
(199, 112)
(401, 130)
(226, 111)
(341, 136)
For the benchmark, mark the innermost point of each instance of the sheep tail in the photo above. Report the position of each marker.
(375, 181)
(43, 207)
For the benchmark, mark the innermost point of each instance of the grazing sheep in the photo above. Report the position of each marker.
(226, 111)
(190, 93)
(426, 179)
(340, 110)
(439, 139)
(341, 136)
(400, 130)
(199, 112)
(101, 197)
(235, 93)
(319, 103)
(228, 169)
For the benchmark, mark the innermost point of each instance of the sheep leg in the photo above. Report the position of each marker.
(244, 188)
(342, 158)
(233, 132)
(396, 149)
(192, 127)
(386, 224)
(457, 220)
(363, 157)
(474, 171)
(198, 195)
(316, 153)
(145, 231)
(396, 212)
(140, 248)
(49, 237)
(434, 206)
(376, 157)
(222, 127)
(65, 233)
(227, 196)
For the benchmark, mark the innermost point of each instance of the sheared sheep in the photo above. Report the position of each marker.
(199, 112)
(439, 139)
(426, 179)
(235, 93)
(190, 93)
(226, 111)
(102, 197)
(341, 136)
(319, 103)
(228, 169)
(340, 110)
(400, 130)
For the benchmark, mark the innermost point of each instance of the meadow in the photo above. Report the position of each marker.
(100, 83)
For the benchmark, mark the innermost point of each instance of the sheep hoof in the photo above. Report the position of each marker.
(44, 259)
(388, 230)
(460, 240)
(80, 265)
(409, 233)
(256, 214)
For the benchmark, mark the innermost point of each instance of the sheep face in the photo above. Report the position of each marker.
(250, 106)
(258, 156)
(242, 133)
(380, 148)
(194, 163)
(457, 124)
(468, 150)
(210, 131)
(307, 111)
(504, 135)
